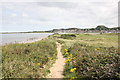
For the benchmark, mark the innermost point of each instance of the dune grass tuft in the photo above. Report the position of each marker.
(30, 60)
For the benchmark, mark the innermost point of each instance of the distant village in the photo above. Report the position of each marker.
(99, 29)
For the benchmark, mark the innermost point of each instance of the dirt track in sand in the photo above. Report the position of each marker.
(58, 67)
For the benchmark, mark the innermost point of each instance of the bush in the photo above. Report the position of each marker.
(60, 41)
(68, 36)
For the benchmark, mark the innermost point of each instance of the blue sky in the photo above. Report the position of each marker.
(38, 15)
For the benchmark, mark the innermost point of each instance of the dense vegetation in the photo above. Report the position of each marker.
(87, 56)
(90, 56)
(30, 60)
(68, 36)
(92, 62)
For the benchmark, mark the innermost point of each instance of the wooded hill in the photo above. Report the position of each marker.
(78, 30)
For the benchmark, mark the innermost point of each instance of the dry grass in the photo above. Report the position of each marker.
(30, 60)
(94, 56)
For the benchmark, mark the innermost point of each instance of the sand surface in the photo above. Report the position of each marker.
(31, 41)
(58, 67)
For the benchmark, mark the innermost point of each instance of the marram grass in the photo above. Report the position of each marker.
(30, 60)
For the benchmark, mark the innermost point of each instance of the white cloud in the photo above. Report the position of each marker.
(13, 14)
(59, 0)
(24, 15)
(51, 15)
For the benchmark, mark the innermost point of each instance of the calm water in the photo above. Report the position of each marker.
(11, 38)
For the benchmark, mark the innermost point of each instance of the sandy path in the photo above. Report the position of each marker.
(58, 67)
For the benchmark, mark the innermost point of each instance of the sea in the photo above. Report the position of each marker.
(19, 37)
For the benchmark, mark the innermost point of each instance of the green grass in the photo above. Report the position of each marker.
(30, 60)
(92, 62)
(104, 40)
(87, 56)
(93, 55)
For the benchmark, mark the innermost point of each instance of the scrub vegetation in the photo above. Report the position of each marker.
(90, 55)
(29, 60)
(87, 56)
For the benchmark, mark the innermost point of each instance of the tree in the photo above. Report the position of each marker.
(101, 27)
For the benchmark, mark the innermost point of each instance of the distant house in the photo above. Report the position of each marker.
(98, 29)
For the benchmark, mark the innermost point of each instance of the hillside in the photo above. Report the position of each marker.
(98, 29)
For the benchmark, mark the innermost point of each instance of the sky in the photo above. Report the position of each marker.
(41, 15)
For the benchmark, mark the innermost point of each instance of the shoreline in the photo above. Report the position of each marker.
(30, 40)
(27, 38)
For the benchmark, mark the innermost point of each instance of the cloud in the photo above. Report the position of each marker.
(24, 15)
(59, 1)
(64, 5)
(13, 14)
(49, 15)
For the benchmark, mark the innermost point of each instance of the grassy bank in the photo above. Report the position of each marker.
(83, 61)
(90, 55)
(30, 60)
(104, 40)
(87, 56)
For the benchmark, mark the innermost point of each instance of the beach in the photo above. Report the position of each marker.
(22, 37)
(31, 40)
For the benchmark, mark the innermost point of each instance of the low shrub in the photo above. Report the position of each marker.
(68, 36)
(60, 41)
(92, 62)
(28, 60)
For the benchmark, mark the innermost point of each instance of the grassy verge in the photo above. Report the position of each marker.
(30, 60)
